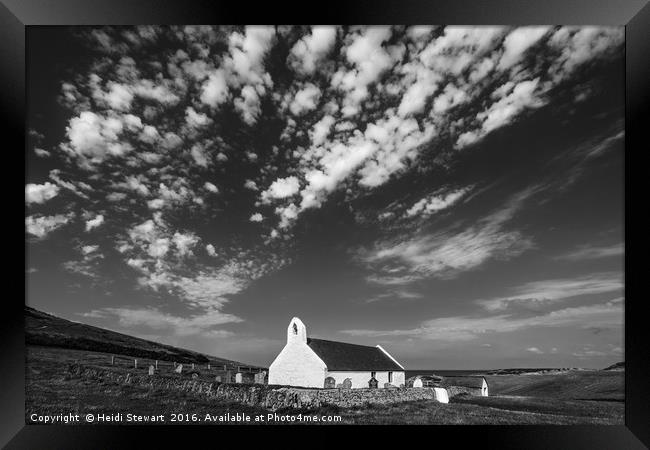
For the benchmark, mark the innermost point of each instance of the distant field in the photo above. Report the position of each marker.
(578, 384)
(50, 389)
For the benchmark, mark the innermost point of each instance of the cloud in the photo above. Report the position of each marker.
(446, 253)
(534, 350)
(94, 222)
(185, 242)
(41, 226)
(215, 89)
(155, 319)
(196, 120)
(257, 217)
(211, 187)
(467, 328)
(282, 188)
(93, 138)
(40, 193)
(308, 51)
(517, 42)
(305, 99)
(119, 96)
(250, 184)
(585, 253)
(211, 250)
(520, 97)
(549, 291)
(430, 205)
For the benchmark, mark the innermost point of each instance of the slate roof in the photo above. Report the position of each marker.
(343, 356)
(467, 381)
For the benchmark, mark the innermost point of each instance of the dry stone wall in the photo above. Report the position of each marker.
(270, 397)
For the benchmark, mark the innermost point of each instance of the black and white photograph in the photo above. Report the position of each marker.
(322, 224)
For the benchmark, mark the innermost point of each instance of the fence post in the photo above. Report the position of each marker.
(156, 364)
(192, 366)
(135, 363)
(208, 366)
(112, 360)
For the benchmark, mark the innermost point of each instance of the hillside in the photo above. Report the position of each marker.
(617, 366)
(578, 384)
(51, 331)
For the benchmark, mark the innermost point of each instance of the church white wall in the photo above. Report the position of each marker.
(297, 364)
(360, 379)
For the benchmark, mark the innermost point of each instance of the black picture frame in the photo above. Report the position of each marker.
(16, 15)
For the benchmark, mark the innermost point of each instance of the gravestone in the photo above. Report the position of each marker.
(238, 378)
(217, 379)
(151, 370)
(347, 384)
(260, 377)
(389, 386)
(373, 383)
(179, 368)
(195, 375)
(417, 383)
(330, 383)
(227, 377)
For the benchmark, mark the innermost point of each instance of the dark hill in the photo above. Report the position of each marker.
(617, 366)
(51, 331)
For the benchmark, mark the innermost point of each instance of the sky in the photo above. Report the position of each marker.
(454, 194)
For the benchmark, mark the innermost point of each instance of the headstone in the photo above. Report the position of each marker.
(128, 378)
(417, 383)
(135, 363)
(260, 377)
(217, 379)
(156, 364)
(192, 366)
(389, 386)
(347, 384)
(179, 368)
(238, 378)
(227, 377)
(112, 360)
(373, 383)
(151, 370)
(330, 383)
(208, 366)
(441, 395)
(195, 375)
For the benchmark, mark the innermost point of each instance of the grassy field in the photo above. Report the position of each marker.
(575, 384)
(51, 389)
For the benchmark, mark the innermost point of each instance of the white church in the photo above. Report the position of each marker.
(309, 362)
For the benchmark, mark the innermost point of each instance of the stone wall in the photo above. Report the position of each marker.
(463, 390)
(270, 397)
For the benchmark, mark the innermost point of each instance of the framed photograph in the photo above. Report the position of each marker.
(384, 214)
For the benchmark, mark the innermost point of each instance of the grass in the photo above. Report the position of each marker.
(50, 389)
(576, 384)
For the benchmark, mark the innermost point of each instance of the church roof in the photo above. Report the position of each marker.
(343, 356)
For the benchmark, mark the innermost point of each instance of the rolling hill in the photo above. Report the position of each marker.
(44, 329)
